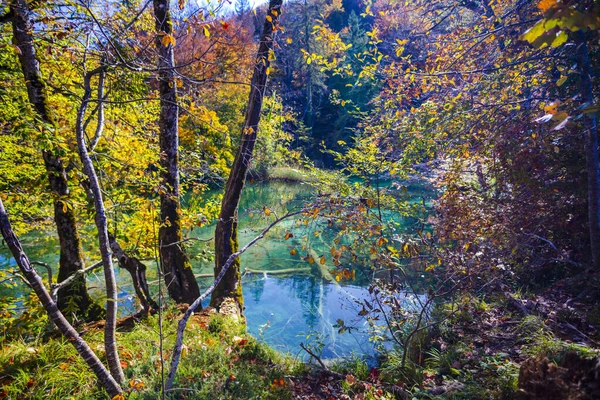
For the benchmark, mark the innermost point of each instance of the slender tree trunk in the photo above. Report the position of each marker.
(226, 234)
(176, 267)
(110, 345)
(591, 148)
(71, 259)
(107, 381)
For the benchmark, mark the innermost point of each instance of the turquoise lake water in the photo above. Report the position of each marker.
(280, 309)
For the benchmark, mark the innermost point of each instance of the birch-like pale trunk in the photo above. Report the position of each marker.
(177, 270)
(71, 255)
(112, 355)
(226, 233)
(35, 281)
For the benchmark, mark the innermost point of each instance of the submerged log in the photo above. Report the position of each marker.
(137, 269)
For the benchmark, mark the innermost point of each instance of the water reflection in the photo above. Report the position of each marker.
(283, 311)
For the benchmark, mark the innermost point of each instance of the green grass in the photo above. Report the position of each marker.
(287, 174)
(215, 365)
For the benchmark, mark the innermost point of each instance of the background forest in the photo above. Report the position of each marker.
(435, 162)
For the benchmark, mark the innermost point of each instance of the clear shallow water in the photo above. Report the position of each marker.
(280, 309)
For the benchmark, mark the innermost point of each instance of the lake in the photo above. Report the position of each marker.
(284, 310)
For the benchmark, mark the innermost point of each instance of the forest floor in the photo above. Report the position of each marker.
(502, 345)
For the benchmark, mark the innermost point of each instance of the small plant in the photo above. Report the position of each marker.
(532, 326)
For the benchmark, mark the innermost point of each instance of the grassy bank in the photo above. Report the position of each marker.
(281, 173)
(220, 362)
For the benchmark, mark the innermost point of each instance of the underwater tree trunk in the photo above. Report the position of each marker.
(175, 264)
(226, 233)
(90, 358)
(75, 297)
(137, 270)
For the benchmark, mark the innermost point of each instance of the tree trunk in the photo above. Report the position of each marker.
(591, 148)
(110, 345)
(107, 381)
(75, 297)
(226, 234)
(176, 267)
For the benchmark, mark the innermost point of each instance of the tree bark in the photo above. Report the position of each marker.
(591, 148)
(226, 234)
(107, 381)
(71, 258)
(175, 264)
(110, 345)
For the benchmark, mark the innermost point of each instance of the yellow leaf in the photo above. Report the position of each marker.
(337, 278)
(311, 260)
(267, 211)
(289, 40)
(269, 18)
(118, 397)
(293, 252)
(288, 235)
(206, 31)
(168, 40)
(561, 116)
(322, 260)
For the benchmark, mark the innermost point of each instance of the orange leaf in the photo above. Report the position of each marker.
(293, 252)
(350, 379)
(545, 5)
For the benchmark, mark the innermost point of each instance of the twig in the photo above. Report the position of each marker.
(54, 288)
(321, 363)
(48, 268)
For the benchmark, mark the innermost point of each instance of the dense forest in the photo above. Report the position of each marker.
(309, 199)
